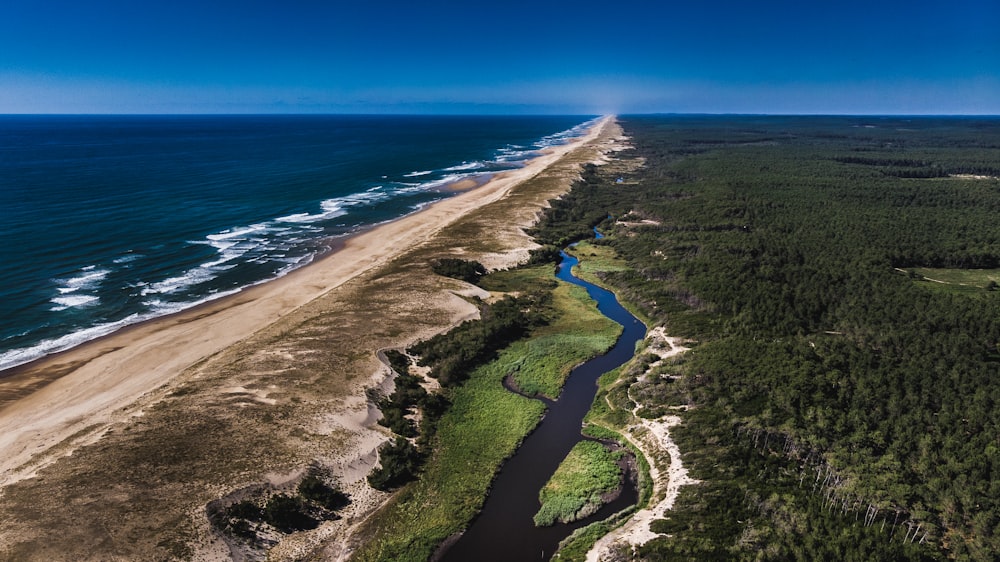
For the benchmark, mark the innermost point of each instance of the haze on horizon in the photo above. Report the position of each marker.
(580, 57)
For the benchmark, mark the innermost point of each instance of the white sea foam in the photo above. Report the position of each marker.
(509, 154)
(90, 277)
(204, 272)
(190, 278)
(298, 217)
(73, 291)
(20, 356)
(418, 174)
(337, 206)
(254, 244)
(450, 178)
(563, 136)
(237, 232)
(464, 166)
(127, 258)
(62, 303)
(162, 308)
(331, 210)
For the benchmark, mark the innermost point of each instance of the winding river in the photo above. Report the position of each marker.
(504, 530)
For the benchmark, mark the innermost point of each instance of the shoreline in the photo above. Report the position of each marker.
(334, 244)
(52, 400)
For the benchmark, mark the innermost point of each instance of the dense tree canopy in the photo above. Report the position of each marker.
(784, 244)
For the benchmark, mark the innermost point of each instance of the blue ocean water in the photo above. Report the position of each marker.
(111, 220)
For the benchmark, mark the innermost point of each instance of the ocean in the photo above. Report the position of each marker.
(108, 221)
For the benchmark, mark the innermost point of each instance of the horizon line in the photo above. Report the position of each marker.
(595, 115)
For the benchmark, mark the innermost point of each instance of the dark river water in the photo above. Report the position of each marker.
(504, 530)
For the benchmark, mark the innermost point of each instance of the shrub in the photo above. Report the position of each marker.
(314, 489)
(468, 271)
(288, 514)
(399, 461)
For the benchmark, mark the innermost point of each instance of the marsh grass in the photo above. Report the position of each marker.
(596, 263)
(596, 259)
(580, 332)
(578, 487)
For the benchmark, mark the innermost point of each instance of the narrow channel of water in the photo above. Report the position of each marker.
(504, 530)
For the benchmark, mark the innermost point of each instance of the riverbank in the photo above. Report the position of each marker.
(153, 422)
(652, 438)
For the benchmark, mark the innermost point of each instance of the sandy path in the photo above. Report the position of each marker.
(96, 381)
(652, 437)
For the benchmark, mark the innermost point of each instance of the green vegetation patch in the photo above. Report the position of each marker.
(399, 461)
(484, 426)
(580, 485)
(249, 520)
(521, 279)
(553, 351)
(596, 259)
(465, 270)
(978, 278)
(472, 343)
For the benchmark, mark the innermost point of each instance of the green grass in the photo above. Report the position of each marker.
(596, 259)
(575, 547)
(978, 278)
(574, 491)
(484, 426)
(580, 332)
(520, 280)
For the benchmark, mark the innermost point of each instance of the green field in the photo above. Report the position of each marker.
(548, 356)
(959, 280)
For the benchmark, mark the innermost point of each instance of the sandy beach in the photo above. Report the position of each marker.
(259, 383)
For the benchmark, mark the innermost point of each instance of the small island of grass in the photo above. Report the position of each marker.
(587, 478)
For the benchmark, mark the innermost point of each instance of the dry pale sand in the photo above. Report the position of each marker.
(112, 450)
(652, 437)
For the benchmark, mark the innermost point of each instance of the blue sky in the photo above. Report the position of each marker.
(583, 56)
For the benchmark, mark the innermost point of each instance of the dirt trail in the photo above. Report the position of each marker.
(652, 437)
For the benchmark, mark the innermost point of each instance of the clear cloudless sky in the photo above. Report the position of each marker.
(512, 56)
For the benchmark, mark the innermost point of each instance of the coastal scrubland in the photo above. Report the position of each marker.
(836, 402)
